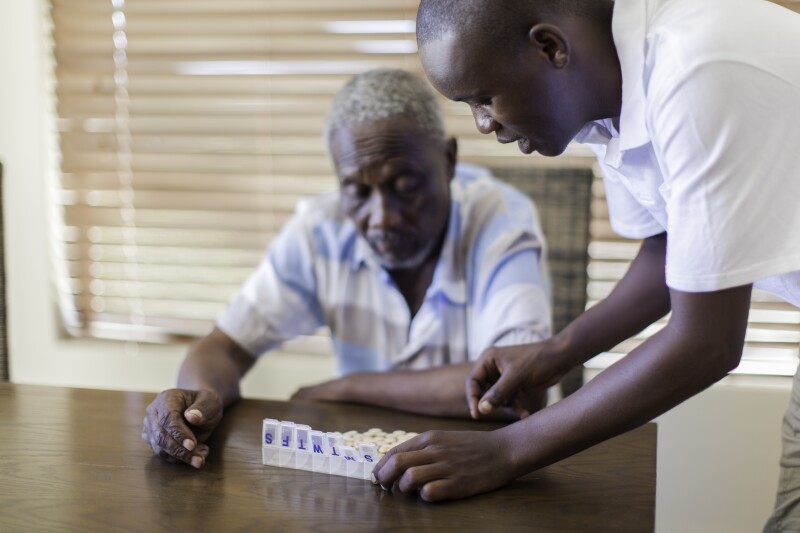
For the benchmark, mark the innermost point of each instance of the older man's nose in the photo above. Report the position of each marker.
(381, 213)
(485, 123)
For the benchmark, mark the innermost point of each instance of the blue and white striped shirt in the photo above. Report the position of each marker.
(490, 286)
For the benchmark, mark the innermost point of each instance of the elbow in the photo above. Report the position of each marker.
(729, 348)
(712, 356)
(726, 362)
(722, 357)
(731, 358)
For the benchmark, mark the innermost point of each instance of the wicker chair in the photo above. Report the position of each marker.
(563, 198)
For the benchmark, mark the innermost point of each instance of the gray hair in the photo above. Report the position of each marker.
(385, 93)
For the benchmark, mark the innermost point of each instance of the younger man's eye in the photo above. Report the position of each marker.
(484, 101)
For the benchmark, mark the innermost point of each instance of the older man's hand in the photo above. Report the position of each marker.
(331, 391)
(178, 422)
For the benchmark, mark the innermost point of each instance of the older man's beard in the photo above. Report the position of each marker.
(415, 261)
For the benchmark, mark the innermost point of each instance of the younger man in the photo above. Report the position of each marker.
(692, 108)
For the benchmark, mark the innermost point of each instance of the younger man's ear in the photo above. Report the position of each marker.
(451, 152)
(552, 44)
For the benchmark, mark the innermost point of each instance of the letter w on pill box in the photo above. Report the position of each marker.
(289, 445)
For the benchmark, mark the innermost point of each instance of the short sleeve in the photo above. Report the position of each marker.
(278, 301)
(628, 217)
(516, 308)
(511, 292)
(727, 139)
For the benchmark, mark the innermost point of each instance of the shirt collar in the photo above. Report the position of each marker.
(363, 255)
(597, 132)
(629, 28)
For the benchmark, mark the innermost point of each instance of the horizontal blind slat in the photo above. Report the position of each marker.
(227, 107)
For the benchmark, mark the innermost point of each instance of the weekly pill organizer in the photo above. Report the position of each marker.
(351, 454)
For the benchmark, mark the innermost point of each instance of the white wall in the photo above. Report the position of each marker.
(717, 457)
(39, 353)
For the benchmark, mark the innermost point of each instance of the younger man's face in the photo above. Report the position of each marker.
(515, 94)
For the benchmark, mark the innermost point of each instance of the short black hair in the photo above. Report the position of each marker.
(498, 19)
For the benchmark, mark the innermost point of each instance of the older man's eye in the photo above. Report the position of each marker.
(356, 190)
(405, 185)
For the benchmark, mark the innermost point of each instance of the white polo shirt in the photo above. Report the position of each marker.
(708, 147)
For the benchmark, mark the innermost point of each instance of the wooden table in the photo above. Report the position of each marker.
(73, 460)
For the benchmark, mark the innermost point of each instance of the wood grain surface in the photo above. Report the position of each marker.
(73, 460)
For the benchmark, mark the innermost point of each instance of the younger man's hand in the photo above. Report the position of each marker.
(178, 422)
(447, 465)
(516, 377)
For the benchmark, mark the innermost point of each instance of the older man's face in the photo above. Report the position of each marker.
(516, 95)
(395, 186)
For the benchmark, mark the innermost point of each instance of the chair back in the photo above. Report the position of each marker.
(563, 198)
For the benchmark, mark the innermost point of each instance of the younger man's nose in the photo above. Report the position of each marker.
(485, 123)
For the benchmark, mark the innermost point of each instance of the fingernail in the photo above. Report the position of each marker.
(384, 488)
(195, 414)
(374, 479)
(188, 444)
(485, 407)
(197, 461)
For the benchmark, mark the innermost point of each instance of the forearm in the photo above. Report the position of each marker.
(670, 367)
(437, 391)
(215, 364)
(639, 299)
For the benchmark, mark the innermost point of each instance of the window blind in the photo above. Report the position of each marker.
(188, 131)
(190, 128)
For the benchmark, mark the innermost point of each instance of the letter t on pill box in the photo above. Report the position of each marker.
(335, 443)
(303, 446)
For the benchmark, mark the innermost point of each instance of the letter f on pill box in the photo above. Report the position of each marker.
(288, 437)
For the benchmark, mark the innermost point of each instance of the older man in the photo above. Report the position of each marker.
(416, 265)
